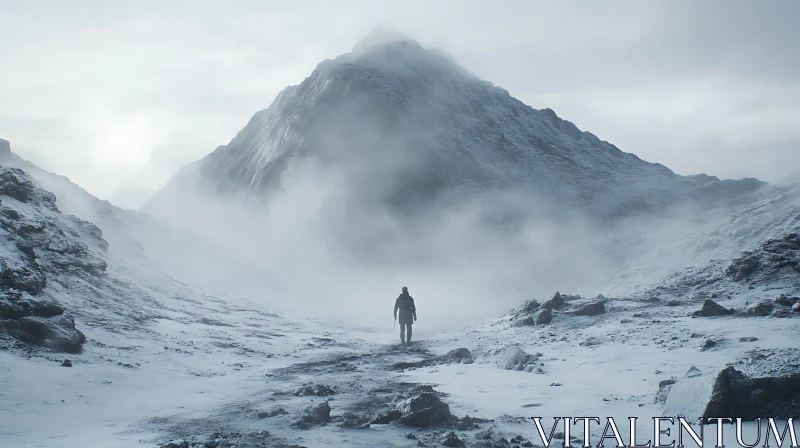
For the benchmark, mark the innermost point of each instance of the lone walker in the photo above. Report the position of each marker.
(405, 303)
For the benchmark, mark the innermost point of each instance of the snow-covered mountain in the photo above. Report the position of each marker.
(403, 125)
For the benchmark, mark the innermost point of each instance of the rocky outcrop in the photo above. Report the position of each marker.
(711, 308)
(761, 383)
(774, 258)
(591, 309)
(40, 246)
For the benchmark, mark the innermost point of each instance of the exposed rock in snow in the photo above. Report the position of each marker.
(423, 410)
(712, 308)
(591, 309)
(319, 414)
(451, 439)
(42, 247)
(770, 388)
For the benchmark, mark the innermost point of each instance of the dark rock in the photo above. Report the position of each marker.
(590, 342)
(781, 313)
(424, 410)
(386, 417)
(693, 372)
(556, 302)
(46, 308)
(57, 333)
(457, 356)
(696, 335)
(451, 440)
(556, 384)
(271, 413)
(350, 420)
(591, 309)
(708, 344)
(748, 339)
(796, 308)
(712, 308)
(315, 415)
(526, 444)
(183, 444)
(466, 423)
(317, 390)
(734, 393)
(786, 300)
(15, 184)
(530, 306)
(543, 317)
(673, 303)
(761, 309)
(484, 435)
(66, 363)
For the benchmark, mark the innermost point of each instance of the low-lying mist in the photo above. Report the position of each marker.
(317, 247)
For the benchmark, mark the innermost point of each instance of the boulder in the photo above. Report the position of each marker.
(451, 440)
(57, 333)
(386, 417)
(786, 300)
(457, 356)
(543, 317)
(530, 306)
(591, 309)
(424, 410)
(763, 308)
(735, 394)
(317, 390)
(511, 357)
(315, 415)
(712, 308)
(555, 302)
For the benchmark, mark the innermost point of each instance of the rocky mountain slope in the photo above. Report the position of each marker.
(401, 126)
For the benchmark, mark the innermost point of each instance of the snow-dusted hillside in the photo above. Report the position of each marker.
(401, 125)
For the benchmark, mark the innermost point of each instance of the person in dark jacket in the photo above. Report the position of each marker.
(405, 303)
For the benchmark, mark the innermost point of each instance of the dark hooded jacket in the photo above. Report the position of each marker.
(405, 303)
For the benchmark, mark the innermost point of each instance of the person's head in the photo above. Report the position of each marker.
(405, 290)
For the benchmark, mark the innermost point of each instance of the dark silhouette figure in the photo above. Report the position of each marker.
(405, 303)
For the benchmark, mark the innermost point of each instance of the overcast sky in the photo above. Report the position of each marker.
(117, 95)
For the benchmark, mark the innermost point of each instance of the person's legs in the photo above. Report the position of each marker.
(409, 334)
(402, 333)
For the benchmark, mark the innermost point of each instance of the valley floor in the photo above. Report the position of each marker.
(218, 374)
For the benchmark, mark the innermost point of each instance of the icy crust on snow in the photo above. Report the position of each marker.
(454, 131)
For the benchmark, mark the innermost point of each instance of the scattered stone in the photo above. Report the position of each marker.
(318, 390)
(458, 356)
(543, 317)
(386, 417)
(272, 413)
(315, 415)
(590, 342)
(781, 313)
(693, 372)
(763, 308)
(673, 303)
(696, 335)
(66, 363)
(712, 308)
(591, 309)
(786, 300)
(556, 302)
(451, 439)
(350, 420)
(424, 410)
(748, 339)
(484, 435)
(556, 384)
(708, 344)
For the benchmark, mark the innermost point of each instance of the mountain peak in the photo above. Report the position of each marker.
(5, 146)
(383, 36)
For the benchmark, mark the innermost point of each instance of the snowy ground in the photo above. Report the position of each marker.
(211, 366)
